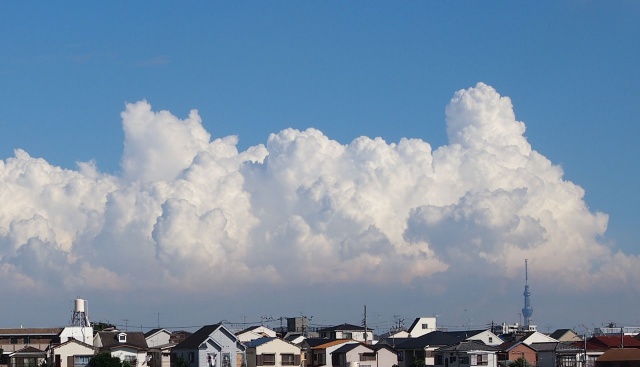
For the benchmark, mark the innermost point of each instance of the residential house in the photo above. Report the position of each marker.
(155, 337)
(565, 335)
(512, 351)
(71, 353)
(421, 326)
(363, 355)
(535, 337)
(130, 346)
(27, 357)
(160, 344)
(317, 351)
(557, 354)
(272, 351)
(419, 351)
(415, 351)
(347, 331)
(255, 332)
(211, 346)
(29, 342)
(465, 354)
(618, 357)
(594, 347)
(387, 355)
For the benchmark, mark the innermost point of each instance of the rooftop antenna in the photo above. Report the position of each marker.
(527, 311)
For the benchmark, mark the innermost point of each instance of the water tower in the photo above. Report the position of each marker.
(80, 316)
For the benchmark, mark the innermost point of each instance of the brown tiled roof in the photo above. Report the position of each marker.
(332, 343)
(617, 354)
(135, 339)
(31, 331)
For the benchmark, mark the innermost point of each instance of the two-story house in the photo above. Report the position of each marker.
(466, 354)
(347, 331)
(211, 346)
(272, 351)
(131, 346)
(364, 355)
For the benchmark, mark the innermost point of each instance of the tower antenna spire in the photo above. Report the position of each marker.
(527, 311)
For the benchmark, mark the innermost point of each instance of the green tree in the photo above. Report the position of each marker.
(104, 360)
(520, 362)
(180, 362)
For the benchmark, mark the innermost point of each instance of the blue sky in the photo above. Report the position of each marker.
(347, 69)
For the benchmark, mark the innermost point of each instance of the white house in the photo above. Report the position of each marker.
(71, 353)
(255, 332)
(536, 337)
(466, 354)
(347, 331)
(156, 337)
(211, 346)
(81, 333)
(272, 351)
(421, 326)
(130, 347)
(363, 355)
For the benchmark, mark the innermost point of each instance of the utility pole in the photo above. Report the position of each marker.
(364, 321)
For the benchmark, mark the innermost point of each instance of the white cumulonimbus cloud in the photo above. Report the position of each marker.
(303, 209)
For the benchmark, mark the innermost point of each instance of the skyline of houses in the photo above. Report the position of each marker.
(300, 345)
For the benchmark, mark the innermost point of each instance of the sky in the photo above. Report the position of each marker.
(181, 164)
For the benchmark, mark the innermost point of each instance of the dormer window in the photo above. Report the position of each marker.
(122, 338)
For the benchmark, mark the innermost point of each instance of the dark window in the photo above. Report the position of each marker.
(367, 357)
(439, 360)
(14, 340)
(288, 360)
(268, 359)
(192, 357)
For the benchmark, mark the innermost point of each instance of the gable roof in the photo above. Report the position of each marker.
(610, 341)
(344, 327)
(28, 351)
(468, 345)
(155, 331)
(350, 346)
(257, 342)
(436, 338)
(135, 339)
(333, 342)
(619, 355)
(508, 346)
(560, 333)
(201, 335)
(314, 342)
(31, 331)
(71, 340)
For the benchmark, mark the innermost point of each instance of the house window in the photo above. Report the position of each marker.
(347, 335)
(480, 360)
(25, 340)
(288, 360)
(367, 357)
(268, 359)
(439, 360)
(401, 356)
(122, 337)
(192, 357)
(14, 340)
(131, 360)
(490, 339)
(80, 361)
(425, 326)
(567, 361)
(226, 359)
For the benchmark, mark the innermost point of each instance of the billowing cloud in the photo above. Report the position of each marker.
(188, 212)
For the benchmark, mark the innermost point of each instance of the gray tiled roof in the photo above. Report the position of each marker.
(197, 338)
